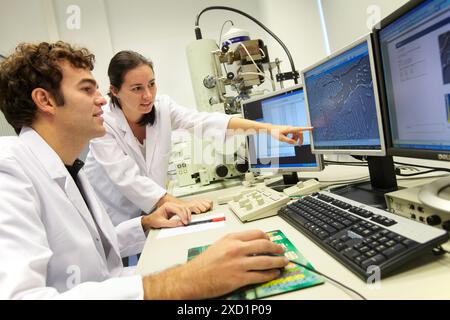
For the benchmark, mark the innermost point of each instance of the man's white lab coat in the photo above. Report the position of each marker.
(50, 246)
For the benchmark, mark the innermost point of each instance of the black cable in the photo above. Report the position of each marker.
(420, 178)
(329, 278)
(198, 32)
(421, 166)
(439, 251)
(417, 173)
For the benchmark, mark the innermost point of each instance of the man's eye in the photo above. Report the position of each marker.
(136, 89)
(87, 89)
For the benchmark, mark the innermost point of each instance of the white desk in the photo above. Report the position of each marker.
(426, 278)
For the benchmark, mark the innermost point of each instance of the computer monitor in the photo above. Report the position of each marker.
(342, 102)
(413, 46)
(283, 107)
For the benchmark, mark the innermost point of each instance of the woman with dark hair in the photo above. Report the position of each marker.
(128, 166)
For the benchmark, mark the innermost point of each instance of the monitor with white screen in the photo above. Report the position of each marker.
(413, 46)
(284, 107)
(415, 59)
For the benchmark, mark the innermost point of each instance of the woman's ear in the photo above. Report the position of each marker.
(43, 101)
(113, 91)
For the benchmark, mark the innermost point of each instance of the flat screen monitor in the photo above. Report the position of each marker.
(414, 48)
(342, 102)
(284, 107)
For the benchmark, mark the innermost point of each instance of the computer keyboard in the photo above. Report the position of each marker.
(260, 203)
(360, 236)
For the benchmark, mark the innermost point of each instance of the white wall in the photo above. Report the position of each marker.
(21, 21)
(94, 33)
(347, 20)
(158, 30)
(297, 24)
(162, 30)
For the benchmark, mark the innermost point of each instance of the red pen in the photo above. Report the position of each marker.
(205, 221)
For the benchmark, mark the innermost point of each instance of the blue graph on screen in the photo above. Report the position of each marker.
(342, 104)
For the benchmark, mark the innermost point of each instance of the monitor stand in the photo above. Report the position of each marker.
(382, 180)
(287, 181)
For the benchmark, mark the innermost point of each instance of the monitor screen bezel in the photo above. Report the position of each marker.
(245, 103)
(390, 148)
(359, 152)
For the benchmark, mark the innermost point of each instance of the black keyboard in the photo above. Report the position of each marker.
(359, 236)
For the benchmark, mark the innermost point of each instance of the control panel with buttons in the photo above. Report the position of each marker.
(261, 203)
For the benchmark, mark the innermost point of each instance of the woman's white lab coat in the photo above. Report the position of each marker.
(50, 246)
(128, 183)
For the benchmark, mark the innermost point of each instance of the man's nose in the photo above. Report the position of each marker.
(100, 100)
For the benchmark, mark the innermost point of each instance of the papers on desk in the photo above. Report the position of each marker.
(171, 232)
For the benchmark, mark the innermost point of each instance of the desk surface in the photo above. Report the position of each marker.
(425, 278)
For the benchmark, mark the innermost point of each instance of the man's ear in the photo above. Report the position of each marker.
(43, 101)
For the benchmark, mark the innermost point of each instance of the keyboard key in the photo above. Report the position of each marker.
(374, 261)
(380, 248)
(408, 242)
(394, 250)
(370, 253)
(374, 244)
(323, 235)
(329, 229)
(340, 246)
(358, 260)
(390, 243)
(391, 235)
(383, 239)
(364, 249)
(337, 225)
(350, 253)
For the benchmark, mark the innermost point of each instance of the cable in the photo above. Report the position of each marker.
(329, 278)
(221, 31)
(260, 71)
(417, 173)
(421, 166)
(198, 32)
(420, 178)
(439, 251)
(220, 40)
(263, 54)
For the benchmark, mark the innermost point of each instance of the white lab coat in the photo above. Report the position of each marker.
(126, 182)
(49, 244)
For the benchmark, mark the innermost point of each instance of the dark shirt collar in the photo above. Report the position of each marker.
(75, 168)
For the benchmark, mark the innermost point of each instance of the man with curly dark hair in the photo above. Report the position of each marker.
(56, 240)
